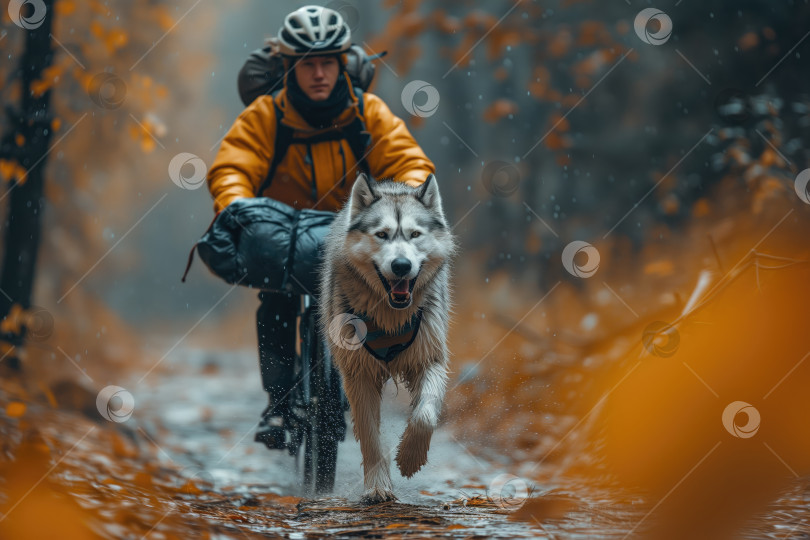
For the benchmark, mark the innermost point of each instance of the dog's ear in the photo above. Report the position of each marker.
(363, 193)
(428, 192)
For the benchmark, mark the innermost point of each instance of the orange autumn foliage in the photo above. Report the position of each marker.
(11, 171)
(15, 409)
(499, 109)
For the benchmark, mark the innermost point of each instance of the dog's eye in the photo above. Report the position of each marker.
(416, 234)
(381, 234)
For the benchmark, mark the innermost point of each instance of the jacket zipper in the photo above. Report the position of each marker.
(343, 158)
(312, 170)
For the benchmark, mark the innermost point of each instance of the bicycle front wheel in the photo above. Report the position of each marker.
(326, 426)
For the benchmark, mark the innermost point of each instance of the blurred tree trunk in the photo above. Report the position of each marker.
(27, 143)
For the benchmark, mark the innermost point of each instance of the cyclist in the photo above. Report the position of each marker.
(318, 102)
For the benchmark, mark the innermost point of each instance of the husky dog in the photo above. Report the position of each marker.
(384, 310)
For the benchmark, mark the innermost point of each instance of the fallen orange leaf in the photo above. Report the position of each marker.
(15, 409)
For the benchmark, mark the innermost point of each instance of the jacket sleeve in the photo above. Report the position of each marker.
(243, 159)
(394, 152)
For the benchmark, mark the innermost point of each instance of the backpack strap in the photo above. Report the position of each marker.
(357, 136)
(283, 140)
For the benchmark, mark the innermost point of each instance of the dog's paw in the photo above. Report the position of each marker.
(377, 495)
(413, 449)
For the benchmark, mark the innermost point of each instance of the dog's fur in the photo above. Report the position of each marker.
(349, 278)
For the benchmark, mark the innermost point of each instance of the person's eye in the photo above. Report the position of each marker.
(416, 234)
(381, 234)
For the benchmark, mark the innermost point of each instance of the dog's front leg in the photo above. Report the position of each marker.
(427, 398)
(364, 392)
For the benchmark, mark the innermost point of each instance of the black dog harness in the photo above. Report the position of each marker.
(384, 346)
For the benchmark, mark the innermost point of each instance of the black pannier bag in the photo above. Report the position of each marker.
(263, 243)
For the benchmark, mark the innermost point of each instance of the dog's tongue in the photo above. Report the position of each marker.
(401, 286)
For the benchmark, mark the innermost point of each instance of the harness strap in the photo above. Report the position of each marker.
(384, 346)
(284, 137)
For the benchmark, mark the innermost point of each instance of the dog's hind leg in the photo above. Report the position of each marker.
(364, 392)
(427, 396)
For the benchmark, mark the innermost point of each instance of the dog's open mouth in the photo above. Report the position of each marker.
(399, 290)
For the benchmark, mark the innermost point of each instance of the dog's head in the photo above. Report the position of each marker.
(398, 237)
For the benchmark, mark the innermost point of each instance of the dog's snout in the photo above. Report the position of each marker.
(400, 266)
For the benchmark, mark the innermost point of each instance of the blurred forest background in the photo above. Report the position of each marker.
(556, 122)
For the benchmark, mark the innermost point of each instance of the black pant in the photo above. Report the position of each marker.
(275, 326)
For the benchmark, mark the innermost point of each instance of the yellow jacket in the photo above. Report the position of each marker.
(244, 156)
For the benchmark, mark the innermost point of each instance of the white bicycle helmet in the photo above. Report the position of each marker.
(314, 30)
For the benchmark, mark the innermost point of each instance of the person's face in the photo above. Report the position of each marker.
(317, 76)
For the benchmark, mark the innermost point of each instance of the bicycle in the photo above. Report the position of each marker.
(238, 247)
(315, 422)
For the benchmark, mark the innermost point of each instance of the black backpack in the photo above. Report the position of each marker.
(263, 74)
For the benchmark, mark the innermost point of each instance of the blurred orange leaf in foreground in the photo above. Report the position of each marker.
(15, 409)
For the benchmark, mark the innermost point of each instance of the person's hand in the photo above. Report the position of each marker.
(230, 203)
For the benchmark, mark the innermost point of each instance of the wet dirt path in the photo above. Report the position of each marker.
(200, 413)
